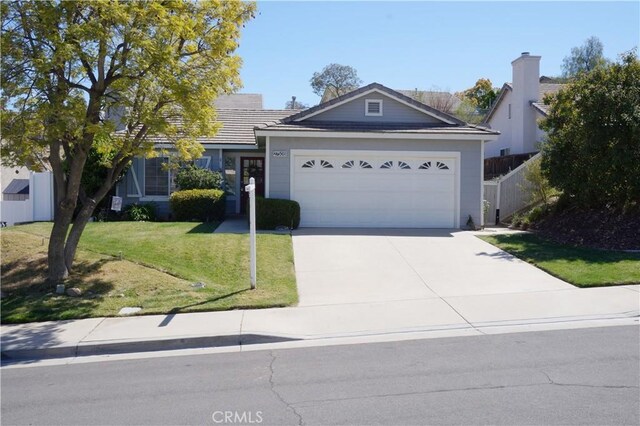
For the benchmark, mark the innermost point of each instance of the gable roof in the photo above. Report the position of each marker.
(365, 90)
(539, 105)
(303, 122)
(17, 186)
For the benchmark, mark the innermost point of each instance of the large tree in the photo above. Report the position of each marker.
(74, 72)
(584, 58)
(592, 152)
(334, 80)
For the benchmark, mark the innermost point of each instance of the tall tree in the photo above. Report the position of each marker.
(75, 71)
(584, 58)
(592, 152)
(334, 80)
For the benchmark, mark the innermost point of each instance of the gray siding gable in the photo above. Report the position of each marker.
(393, 111)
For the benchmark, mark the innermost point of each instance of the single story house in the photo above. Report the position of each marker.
(370, 158)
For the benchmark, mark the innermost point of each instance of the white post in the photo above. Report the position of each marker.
(251, 189)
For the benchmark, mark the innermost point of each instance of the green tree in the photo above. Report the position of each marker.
(584, 58)
(74, 72)
(334, 80)
(482, 94)
(592, 152)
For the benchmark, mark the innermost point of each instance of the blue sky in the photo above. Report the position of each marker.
(425, 45)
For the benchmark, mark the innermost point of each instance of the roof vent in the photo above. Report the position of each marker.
(373, 107)
(525, 53)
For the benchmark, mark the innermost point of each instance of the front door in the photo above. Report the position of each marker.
(251, 167)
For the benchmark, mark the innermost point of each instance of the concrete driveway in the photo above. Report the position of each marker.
(339, 266)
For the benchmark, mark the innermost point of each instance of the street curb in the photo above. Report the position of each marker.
(128, 346)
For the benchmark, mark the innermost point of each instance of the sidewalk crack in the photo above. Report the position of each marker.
(75, 354)
(277, 394)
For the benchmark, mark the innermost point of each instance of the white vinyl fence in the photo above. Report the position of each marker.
(508, 194)
(38, 207)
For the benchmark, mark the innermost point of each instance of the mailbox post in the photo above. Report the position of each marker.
(251, 189)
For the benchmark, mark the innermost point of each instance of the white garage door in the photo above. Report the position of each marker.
(375, 189)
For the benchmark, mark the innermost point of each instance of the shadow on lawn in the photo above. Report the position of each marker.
(530, 246)
(30, 298)
(204, 228)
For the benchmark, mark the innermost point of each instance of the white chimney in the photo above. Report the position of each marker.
(526, 88)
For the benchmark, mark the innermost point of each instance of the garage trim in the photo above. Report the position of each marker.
(314, 152)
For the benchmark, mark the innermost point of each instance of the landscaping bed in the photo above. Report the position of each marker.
(155, 266)
(600, 228)
(580, 266)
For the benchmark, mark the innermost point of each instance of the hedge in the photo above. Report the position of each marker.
(272, 213)
(198, 204)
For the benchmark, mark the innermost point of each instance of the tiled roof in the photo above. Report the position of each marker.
(239, 101)
(346, 126)
(17, 186)
(237, 126)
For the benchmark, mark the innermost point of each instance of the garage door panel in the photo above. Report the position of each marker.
(379, 190)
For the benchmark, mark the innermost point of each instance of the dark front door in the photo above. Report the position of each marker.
(251, 167)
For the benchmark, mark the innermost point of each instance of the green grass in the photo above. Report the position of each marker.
(160, 262)
(582, 267)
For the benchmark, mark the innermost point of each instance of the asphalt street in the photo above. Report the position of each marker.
(583, 376)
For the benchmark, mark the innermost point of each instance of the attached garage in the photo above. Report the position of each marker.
(377, 189)
(374, 158)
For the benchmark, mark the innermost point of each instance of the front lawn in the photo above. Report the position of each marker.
(582, 267)
(160, 262)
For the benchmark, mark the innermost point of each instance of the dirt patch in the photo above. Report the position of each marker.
(606, 229)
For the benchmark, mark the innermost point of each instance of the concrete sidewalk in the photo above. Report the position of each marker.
(245, 327)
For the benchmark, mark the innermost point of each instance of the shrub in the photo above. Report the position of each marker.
(145, 212)
(198, 204)
(273, 212)
(192, 177)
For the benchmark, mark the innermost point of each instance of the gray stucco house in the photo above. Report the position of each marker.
(370, 158)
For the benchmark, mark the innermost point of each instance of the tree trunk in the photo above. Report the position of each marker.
(79, 224)
(58, 270)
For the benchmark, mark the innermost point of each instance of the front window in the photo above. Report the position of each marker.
(157, 180)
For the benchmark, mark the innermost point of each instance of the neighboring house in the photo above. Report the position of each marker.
(519, 108)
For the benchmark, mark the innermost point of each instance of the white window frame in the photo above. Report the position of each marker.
(507, 151)
(366, 107)
(144, 185)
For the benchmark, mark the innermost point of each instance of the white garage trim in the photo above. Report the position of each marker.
(455, 156)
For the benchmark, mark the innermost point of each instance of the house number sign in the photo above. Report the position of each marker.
(279, 154)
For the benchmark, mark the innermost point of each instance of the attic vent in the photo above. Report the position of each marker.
(373, 107)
